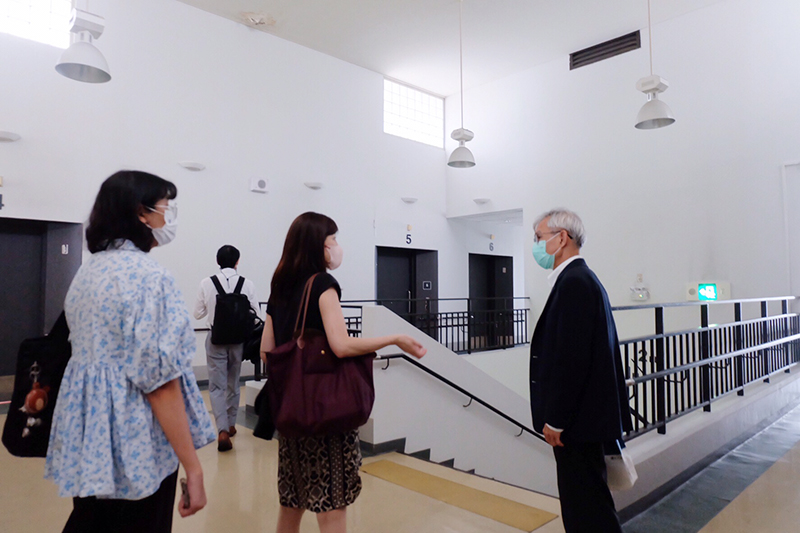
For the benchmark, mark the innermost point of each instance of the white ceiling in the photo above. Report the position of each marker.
(416, 41)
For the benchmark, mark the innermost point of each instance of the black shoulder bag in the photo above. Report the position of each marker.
(41, 363)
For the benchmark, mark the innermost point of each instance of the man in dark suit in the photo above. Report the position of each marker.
(578, 395)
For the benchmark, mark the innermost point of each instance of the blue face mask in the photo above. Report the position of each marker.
(541, 256)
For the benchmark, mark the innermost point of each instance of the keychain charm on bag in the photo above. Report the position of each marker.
(41, 363)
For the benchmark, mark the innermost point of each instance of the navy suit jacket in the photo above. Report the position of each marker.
(577, 381)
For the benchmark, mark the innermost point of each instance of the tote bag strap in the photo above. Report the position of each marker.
(304, 306)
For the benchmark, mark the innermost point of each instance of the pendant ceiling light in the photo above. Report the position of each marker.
(461, 156)
(82, 61)
(655, 113)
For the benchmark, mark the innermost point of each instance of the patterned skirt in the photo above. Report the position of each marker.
(319, 474)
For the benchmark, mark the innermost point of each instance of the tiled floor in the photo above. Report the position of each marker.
(734, 486)
(770, 505)
(242, 495)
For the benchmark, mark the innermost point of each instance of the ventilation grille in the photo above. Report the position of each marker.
(599, 52)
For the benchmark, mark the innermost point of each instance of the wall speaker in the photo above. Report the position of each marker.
(258, 185)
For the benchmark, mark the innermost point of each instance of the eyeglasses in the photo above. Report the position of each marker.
(539, 236)
(170, 211)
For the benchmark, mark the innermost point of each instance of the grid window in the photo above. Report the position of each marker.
(413, 114)
(44, 21)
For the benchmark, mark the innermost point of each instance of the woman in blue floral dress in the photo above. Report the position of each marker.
(129, 409)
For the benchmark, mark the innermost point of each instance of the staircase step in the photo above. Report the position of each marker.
(398, 445)
(425, 454)
(515, 514)
(370, 450)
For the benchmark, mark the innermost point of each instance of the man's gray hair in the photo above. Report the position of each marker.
(564, 219)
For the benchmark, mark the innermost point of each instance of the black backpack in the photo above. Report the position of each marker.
(233, 321)
(252, 346)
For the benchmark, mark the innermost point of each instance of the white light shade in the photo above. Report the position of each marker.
(83, 62)
(461, 157)
(654, 114)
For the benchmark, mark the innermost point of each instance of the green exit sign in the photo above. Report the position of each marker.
(707, 291)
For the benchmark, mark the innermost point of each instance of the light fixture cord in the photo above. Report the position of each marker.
(461, 59)
(650, 36)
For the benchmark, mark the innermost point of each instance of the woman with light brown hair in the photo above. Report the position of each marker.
(317, 473)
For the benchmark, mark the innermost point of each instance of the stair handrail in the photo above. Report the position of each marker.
(523, 428)
(696, 303)
(701, 329)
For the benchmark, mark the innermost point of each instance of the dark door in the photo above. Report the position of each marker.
(425, 292)
(38, 260)
(503, 304)
(395, 280)
(491, 291)
(480, 287)
(21, 288)
(408, 285)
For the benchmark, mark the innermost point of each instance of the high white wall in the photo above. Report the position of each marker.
(700, 199)
(188, 85)
(509, 367)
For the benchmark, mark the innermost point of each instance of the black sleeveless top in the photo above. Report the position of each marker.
(284, 316)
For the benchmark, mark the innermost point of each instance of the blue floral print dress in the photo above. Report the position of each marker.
(130, 334)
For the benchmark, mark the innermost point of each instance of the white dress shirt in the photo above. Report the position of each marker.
(552, 278)
(207, 294)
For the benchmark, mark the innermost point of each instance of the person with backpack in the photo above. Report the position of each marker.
(229, 302)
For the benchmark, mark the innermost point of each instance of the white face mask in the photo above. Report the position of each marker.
(336, 254)
(166, 233)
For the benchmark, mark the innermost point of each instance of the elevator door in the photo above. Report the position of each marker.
(38, 260)
(491, 292)
(21, 278)
(408, 285)
(395, 280)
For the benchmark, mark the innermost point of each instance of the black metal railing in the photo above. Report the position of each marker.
(353, 315)
(675, 373)
(472, 398)
(669, 374)
(464, 325)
